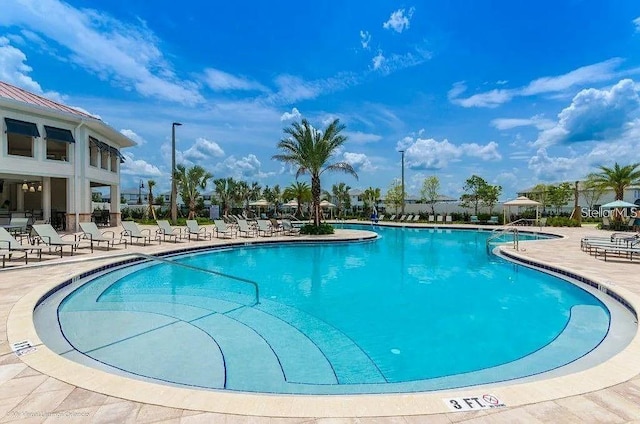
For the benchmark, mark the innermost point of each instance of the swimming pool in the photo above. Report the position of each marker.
(414, 310)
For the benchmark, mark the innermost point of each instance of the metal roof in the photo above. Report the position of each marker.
(14, 93)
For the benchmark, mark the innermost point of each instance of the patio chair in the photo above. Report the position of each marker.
(449, 219)
(19, 226)
(9, 244)
(265, 228)
(132, 231)
(416, 218)
(246, 230)
(94, 235)
(166, 230)
(392, 218)
(606, 223)
(474, 219)
(494, 220)
(289, 229)
(440, 219)
(432, 218)
(402, 218)
(50, 237)
(223, 230)
(277, 227)
(194, 229)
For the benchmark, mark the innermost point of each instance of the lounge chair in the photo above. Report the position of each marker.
(132, 231)
(50, 237)
(474, 219)
(440, 219)
(19, 226)
(416, 218)
(9, 244)
(289, 229)
(194, 229)
(392, 218)
(265, 228)
(223, 230)
(606, 223)
(246, 230)
(432, 218)
(494, 220)
(94, 235)
(449, 219)
(402, 218)
(166, 230)
(276, 226)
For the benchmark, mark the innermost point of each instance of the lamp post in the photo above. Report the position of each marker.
(402, 210)
(140, 187)
(174, 188)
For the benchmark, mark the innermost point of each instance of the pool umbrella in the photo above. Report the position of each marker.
(327, 204)
(260, 203)
(520, 201)
(618, 204)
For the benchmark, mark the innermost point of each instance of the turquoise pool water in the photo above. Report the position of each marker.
(416, 309)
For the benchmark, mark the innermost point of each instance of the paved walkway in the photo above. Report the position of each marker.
(27, 396)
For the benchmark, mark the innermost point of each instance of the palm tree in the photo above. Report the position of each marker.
(151, 211)
(617, 178)
(371, 196)
(242, 194)
(225, 189)
(341, 195)
(299, 191)
(189, 182)
(310, 150)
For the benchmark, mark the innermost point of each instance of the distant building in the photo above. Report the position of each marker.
(53, 156)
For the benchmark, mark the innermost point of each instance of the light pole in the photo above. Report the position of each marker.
(140, 187)
(174, 188)
(402, 211)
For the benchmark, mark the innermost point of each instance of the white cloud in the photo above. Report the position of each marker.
(599, 72)
(430, 154)
(509, 123)
(202, 151)
(595, 115)
(377, 61)
(398, 21)
(365, 39)
(133, 136)
(128, 55)
(222, 81)
(359, 161)
(293, 115)
(245, 168)
(358, 137)
(292, 88)
(636, 22)
(139, 167)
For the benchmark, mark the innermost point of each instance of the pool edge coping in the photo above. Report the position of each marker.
(620, 368)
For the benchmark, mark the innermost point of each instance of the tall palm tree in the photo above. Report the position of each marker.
(617, 178)
(225, 189)
(340, 194)
(190, 181)
(299, 191)
(371, 196)
(242, 194)
(310, 150)
(151, 211)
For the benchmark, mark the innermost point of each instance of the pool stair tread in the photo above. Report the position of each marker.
(350, 363)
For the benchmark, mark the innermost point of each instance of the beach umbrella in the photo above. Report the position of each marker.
(260, 203)
(618, 204)
(327, 204)
(519, 202)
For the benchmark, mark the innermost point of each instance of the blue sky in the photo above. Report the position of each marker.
(515, 92)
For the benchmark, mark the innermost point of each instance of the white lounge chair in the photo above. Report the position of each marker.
(289, 229)
(50, 237)
(448, 219)
(9, 244)
(193, 229)
(94, 235)
(132, 231)
(265, 228)
(440, 219)
(166, 230)
(432, 218)
(223, 230)
(245, 230)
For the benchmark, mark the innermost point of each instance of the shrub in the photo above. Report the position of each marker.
(562, 221)
(321, 229)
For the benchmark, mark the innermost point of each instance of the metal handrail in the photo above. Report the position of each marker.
(499, 232)
(209, 271)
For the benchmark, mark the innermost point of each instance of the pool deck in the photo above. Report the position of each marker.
(607, 393)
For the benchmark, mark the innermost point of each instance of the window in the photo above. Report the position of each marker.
(93, 151)
(20, 136)
(104, 158)
(58, 140)
(114, 163)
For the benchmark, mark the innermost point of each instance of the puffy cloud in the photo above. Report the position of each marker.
(595, 115)
(202, 150)
(292, 88)
(377, 61)
(138, 167)
(125, 54)
(636, 22)
(547, 168)
(398, 21)
(359, 137)
(133, 136)
(359, 161)
(365, 39)
(221, 81)
(245, 168)
(535, 121)
(598, 72)
(293, 115)
(430, 154)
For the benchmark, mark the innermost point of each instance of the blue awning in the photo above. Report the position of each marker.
(21, 127)
(59, 134)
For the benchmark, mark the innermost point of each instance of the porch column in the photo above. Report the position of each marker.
(46, 198)
(19, 198)
(114, 205)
